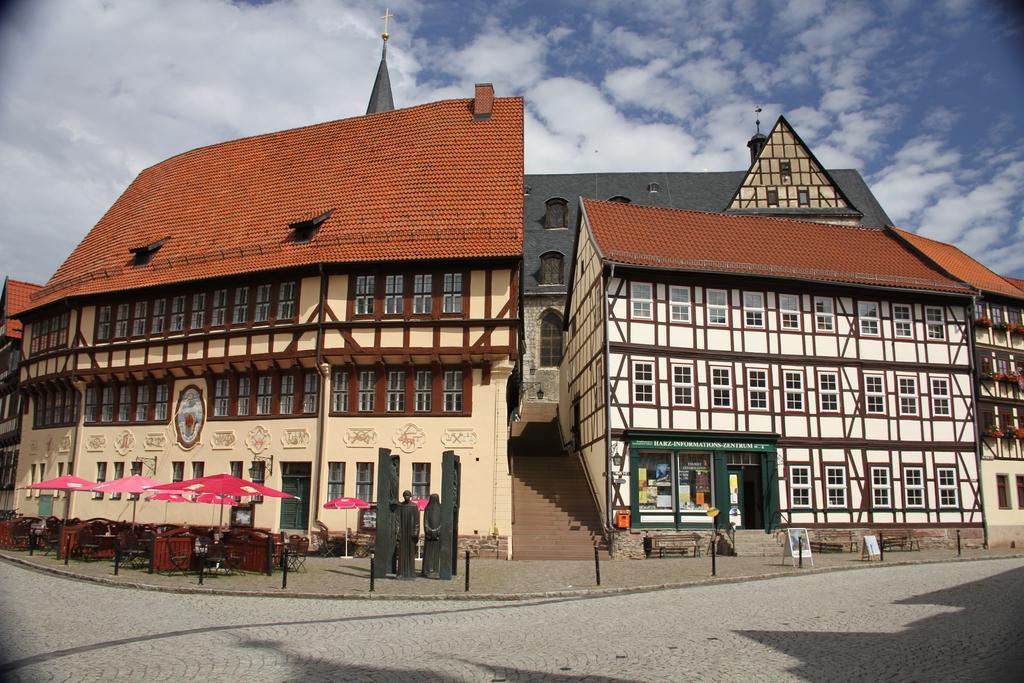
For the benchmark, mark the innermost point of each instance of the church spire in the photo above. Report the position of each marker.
(380, 96)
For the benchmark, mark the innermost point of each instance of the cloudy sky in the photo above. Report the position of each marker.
(924, 97)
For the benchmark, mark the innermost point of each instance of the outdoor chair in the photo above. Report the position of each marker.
(327, 546)
(86, 546)
(298, 548)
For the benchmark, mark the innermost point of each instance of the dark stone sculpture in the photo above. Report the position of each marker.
(386, 541)
(451, 482)
(408, 536)
(432, 538)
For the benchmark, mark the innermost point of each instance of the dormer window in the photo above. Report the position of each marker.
(142, 255)
(551, 268)
(773, 197)
(653, 187)
(619, 199)
(557, 211)
(785, 167)
(305, 230)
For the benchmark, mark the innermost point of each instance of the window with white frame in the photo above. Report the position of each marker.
(364, 294)
(198, 469)
(643, 382)
(682, 384)
(757, 389)
(907, 390)
(286, 401)
(679, 304)
(121, 323)
(221, 396)
(286, 301)
(242, 406)
(948, 494)
(396, 391)
(364, 481)
(160, 403)
(103, 323)
(753, 309)
(867, 318)
(452, 391)
(177, 314)
(793, 384)
(940, 397)
(935, 322)
(913, 487)
(107, 414)
(198, 311)
(261, 313)
(156, 325)
(219, 311)
(335, 480)
(881, 487)
(422, 293)
(339, 391)
(721, 387)
(789, 311)
(421, 480)
(367, 382)
(641, 296)
(394, 294)
(451, 294)
(124, 402)
(118, 474)
(141, 402)
(423, 391)
(835, 484)
(264, 394)
(717, 301)
(101, 476)
(139, 319)
(800, 486)
(824, 314)
(177, 471)
(902, 321)
(310, 391)
(874, 394)
(240, 309)
(828, 392)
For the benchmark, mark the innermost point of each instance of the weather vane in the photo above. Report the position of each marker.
(387, 15)
(757, 121)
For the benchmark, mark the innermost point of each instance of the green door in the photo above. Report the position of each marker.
(45, 506)
(295, 478)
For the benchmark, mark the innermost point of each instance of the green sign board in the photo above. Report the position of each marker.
(702, 445)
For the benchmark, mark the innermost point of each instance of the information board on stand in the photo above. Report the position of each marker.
(799, 545)
(869, 550)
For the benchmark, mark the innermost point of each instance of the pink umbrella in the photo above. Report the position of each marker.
(169, 498)
(223, 485)
(136, 484)
(421, 503)
(215, 499)
(346, 504)
(66, 483)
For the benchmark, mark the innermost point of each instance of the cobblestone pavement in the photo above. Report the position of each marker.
(948, 621)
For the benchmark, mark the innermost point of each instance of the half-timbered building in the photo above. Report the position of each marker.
(283, 305)
(13, 299)
(998, 334)
(786, 372)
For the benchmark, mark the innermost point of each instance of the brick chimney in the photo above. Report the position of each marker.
(483, 101)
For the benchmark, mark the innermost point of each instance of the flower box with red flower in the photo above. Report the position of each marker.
(993, 432)
(983, 321)
(990, 375)
(1017, 328)
(1002, 326)
(1020, 432)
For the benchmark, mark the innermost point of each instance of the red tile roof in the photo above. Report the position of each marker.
(1015, 281)
(960, 265)
(16, 299)
(426, 182)
(756, 245)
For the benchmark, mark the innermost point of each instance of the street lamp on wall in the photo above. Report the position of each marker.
(261, 465)
(616, 455)
(150, 463)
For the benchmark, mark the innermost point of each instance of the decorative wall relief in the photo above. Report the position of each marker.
(222, 441)
(360, 437)
(459, 438)
(258, 439)
(189, 417)
(295, 438)
(124, 442)
(155, 441)
(95, 442)
(409, 437)
(65, 444)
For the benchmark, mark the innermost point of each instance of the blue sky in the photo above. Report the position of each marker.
(924, 98)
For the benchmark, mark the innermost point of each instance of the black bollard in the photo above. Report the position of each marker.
(371, 571)
(117, 558)
(881, 546)
(202, 568)
(958, 543)
(597, 564)
(31, 542)
(284, 567)
(800, 549)
(67, 550)
(467, 571)
(714, 553)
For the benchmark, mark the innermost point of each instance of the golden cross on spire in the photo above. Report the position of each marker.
(387, 15)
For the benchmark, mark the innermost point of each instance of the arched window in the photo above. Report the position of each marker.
(557, 212)
(550, 339)
(551, 268)
(619, 199)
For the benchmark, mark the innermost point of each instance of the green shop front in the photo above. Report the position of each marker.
(676, 478)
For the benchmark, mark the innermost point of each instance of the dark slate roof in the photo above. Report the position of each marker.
(709, 191)
(380, 96)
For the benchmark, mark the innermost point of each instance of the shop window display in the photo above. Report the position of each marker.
(691, 473)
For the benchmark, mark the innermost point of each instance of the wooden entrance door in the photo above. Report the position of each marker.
(295, 479)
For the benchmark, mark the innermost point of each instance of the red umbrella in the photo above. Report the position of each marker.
(346, 504)
(215, 499)
(136, 484)
(169, 498)
(421, 503)
(223, 485)
(65, 483)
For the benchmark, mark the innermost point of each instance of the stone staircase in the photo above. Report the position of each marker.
(756, 543)
(553, 512)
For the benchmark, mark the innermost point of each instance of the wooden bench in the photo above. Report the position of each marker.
(835, 542)
(683, 544)
(902, 539)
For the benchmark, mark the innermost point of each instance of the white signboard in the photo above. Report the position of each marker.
(870, 548)
(799, 545)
